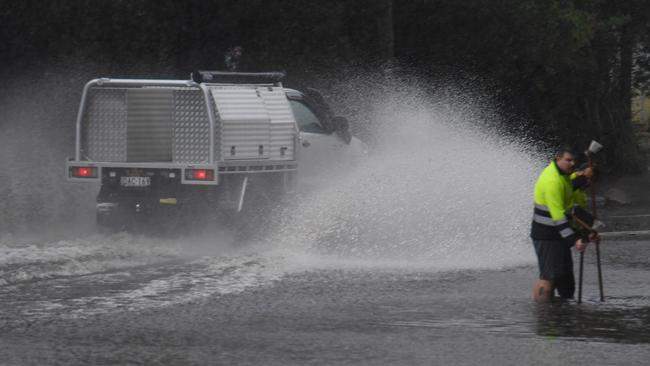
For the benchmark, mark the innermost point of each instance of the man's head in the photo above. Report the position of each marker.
(565, 160)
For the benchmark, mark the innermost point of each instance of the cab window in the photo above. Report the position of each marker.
(307, 120)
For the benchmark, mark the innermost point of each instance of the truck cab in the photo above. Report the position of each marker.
(327, 146)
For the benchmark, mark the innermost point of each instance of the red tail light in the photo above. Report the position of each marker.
(83, 172)
(199, 174)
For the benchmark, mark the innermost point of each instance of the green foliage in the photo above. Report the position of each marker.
(567, 65)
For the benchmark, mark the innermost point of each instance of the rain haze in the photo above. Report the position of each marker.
(273, 183)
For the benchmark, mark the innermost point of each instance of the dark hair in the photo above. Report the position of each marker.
(564, 150)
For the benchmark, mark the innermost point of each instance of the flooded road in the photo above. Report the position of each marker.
(131, 300)
(420, 255)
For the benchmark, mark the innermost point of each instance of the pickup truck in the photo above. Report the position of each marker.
(219, 142)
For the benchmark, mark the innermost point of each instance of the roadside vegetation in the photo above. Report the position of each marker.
(569, 68)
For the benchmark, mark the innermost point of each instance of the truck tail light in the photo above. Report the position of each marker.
(83, 172)
(199, 174)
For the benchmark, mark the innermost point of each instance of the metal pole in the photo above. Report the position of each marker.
(582, 261)
(593, 209)
(600, 272)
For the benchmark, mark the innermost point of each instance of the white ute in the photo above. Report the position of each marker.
(219, 142)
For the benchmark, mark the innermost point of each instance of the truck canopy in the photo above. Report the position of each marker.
(184, 122)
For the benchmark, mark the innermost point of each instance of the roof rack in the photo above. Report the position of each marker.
(226, 77)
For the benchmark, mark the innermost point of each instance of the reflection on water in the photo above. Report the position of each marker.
(618, 320)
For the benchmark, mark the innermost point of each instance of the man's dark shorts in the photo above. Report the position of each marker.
(556, 264)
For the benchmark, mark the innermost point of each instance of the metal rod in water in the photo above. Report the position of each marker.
(593, 209)
(582, 261)
(600, 272)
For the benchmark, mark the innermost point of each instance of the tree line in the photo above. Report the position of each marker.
(569, 66)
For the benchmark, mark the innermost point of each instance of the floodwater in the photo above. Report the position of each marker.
(130, 300)
(419, 255)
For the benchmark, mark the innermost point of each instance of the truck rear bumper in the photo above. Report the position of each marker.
(70, 165)
(235, 167)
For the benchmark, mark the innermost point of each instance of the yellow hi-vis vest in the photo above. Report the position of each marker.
(554, 196)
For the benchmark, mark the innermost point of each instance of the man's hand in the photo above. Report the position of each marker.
(594, 237)
(581, 245)
(587, 172)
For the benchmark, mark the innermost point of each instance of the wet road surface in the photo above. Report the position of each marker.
(251, 309)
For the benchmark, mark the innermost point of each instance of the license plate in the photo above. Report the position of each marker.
(135, 181)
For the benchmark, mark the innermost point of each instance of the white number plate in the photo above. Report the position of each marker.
(135, 181)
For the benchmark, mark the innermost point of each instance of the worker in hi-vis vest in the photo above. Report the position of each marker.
(557, 190)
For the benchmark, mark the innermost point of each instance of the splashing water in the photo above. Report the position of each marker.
(436, 192)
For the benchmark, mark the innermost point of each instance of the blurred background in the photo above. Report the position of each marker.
(555, 71)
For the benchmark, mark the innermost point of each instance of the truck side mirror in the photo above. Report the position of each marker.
(341, 126)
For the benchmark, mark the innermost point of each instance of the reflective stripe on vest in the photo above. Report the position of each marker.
(543, 216)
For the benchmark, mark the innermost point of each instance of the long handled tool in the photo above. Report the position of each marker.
(582, 262)
(595, 147)
(591, 230)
